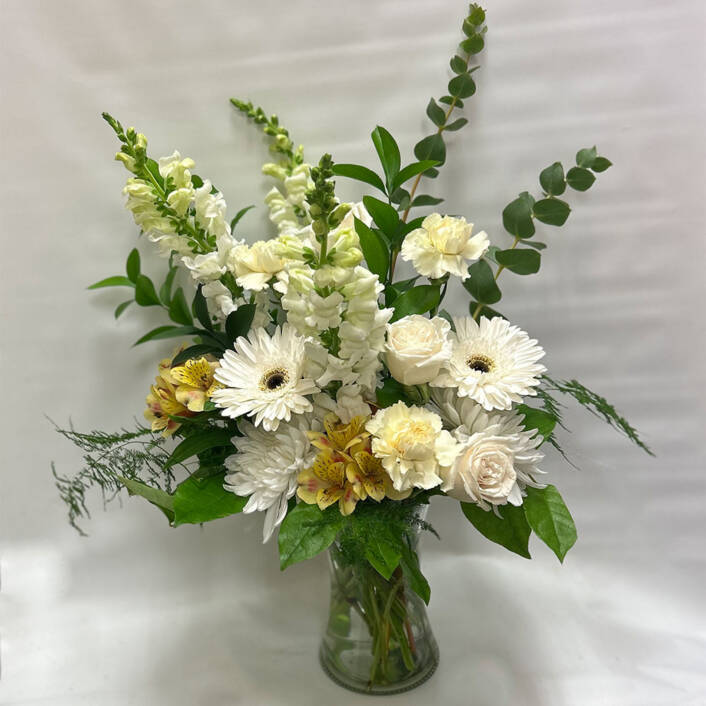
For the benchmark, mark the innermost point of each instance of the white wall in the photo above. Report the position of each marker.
(142, 614)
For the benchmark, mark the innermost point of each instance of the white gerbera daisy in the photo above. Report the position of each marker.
(498, 457)
(412, 446)
(492, 362)
(444, 245)
(266, 467)
(263, 377)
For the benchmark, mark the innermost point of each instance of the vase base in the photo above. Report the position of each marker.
(411, 682)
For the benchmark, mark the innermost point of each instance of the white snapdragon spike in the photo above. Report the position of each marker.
(211, 210)
(413, 447)
(254, 266)
(266, 467)
(262, 377)
(492, 362)
(219, 300)
(416, 348)
(140, 200)
(351, 403)
(297, 184)
(167, 243)
(498, 457)
(442, 246)
(177, 168)
(281, 211)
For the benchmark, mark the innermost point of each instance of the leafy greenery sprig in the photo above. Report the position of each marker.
(519, 221)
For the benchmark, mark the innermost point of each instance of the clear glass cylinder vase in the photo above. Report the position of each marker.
(377, 638)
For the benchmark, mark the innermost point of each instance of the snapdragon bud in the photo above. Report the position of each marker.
(320, 227)
(314, 210)
(339, 214)
(283, 142)
(274, 170)
(141, 142)
(127, 160)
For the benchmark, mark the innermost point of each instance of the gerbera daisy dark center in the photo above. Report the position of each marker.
(480, 363)
(274, 379)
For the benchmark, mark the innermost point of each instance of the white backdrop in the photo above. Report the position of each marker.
(141, 614)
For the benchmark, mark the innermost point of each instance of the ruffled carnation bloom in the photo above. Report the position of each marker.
(416, 348)
(266, 467)
(414, 448)
(254, 266)
(492, 362)
(262, 377)
(443, 245)
(498, 457)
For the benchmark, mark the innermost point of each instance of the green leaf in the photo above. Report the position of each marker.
(600, 164)
(239, 215)
(356, 171)
(198, 443)
(200, 309)
(200, 349)
(436, 114)
(511, 530)
(553, 212)
(383, 551)
(412, 170)
(413, 573)
(417, 300)
(586, 157)
(579, 178)
(307, 531)
(456, 125)
(431, 147)
(132, 266)
(161, 332)
(425, 200)
(390, 393)
(392, 291)
(156, 496)
(117, 281)
(481, 284)
(462, 86)
(538, 419)
(517, 218)
(202, 499)
(374, 249)
(521, 261)
(450, 100)
(458, 64)
(384, 215)
(412, 225)
(179, 309)
(121, 307)
(551, 520)
(389, 154)
(145, 294)
(239, 321)
(552, 179)
(165, 291)
(535, 244)
(474, 44)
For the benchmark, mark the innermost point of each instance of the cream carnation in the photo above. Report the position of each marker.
(256, 265)
(492, 362)
(416, 348)
(498, 457)
(444, 245)
(414, 449)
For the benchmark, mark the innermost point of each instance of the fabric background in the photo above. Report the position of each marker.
(141, 614)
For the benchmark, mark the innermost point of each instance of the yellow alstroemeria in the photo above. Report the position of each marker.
(162, 401)
(325, 483)
(345, 470)
(195, 382)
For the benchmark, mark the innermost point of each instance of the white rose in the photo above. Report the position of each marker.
(416, 348)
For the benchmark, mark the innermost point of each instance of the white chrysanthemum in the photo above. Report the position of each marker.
(443, 245)
(263, 377)
(492, 362)
(266, 467)
(498, 456)
(414, 449)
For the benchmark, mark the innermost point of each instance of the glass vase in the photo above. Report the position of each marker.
(377, 638)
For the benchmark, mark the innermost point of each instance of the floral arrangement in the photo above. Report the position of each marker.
(324, 391)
